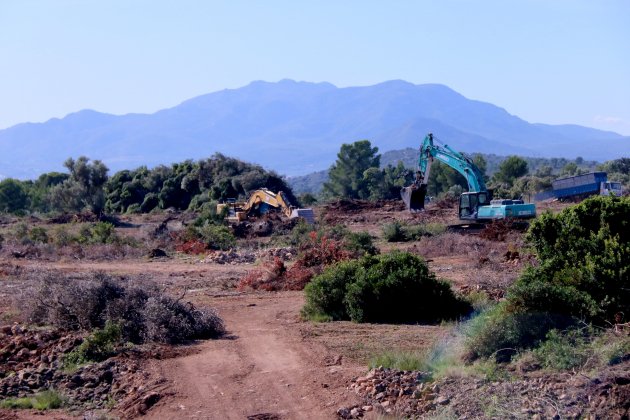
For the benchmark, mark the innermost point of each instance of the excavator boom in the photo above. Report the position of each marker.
(477, 203)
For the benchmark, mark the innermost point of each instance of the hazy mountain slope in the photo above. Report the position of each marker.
(294, 128)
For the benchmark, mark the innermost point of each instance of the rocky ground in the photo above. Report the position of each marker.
(535, 395)
(32, 361)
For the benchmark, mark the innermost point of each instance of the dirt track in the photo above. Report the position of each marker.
(263, 368)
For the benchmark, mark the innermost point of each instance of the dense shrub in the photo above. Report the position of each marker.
(360, 243)
(500, 333)
(142, 313)
(582, 275)
(563, 350)
(394, 232)
(216, 236)
(584, 255)
(394, 287)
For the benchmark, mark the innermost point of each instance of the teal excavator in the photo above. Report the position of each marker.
(476, 204)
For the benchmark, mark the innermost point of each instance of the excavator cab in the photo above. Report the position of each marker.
(469, 203)
(414, 196)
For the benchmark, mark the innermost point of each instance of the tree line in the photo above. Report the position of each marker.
(188, 185)
(358, 173)
(199, 185)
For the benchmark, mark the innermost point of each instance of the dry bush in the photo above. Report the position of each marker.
(449, 244)
(144, 313)
(315, 254)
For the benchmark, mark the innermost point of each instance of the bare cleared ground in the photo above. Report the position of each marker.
(272, 364)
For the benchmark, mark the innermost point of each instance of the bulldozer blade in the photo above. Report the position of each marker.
(413, 196)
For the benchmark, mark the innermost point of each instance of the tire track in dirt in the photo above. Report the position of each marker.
(264, 367)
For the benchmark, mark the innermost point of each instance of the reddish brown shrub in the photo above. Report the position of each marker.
(321, 251)
(315, 254)
(270, 277)
(191, 247)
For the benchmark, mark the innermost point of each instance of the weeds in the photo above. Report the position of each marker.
(400, 360)
(46, 400)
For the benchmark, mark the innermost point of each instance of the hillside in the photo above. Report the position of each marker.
(293, 128)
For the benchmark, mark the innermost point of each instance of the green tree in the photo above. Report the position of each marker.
(346, 175)
(512, 168)
(83, 189)
(385, 184)
(13, 196)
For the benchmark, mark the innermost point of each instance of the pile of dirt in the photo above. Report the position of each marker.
(230, 257)
(31, 361)
(65, 218)
(350, 206)
(534, 395)
(499, 230)
(265, 225)
(284, 254)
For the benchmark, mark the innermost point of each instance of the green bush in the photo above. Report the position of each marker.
(399, 232)
(394, 287)
(325, 293)
(133, 209)
(103, 233)
(38, 235)
(62, 237)
(98, 346)
(395, 232)
(583, 274)
(216, 237)
(500, 333)
(208, 213)
(150, 202)
(360, 243)
(584, 254)
(563, 350)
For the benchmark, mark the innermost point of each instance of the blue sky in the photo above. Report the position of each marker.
(550, 61)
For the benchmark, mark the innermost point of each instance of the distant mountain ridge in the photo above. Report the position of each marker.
(294, 128)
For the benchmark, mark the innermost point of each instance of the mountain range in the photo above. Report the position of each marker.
(294, 128)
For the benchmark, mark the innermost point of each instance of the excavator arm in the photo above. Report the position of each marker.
(265, 197)
(414, 195)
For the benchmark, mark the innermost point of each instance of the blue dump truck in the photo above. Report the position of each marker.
(582, 186)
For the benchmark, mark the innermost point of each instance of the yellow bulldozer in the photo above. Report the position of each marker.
(260, 202)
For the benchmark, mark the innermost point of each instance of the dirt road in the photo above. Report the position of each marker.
(263, 370)
(271, 365)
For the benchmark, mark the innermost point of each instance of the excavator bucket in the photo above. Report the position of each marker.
(413, 196)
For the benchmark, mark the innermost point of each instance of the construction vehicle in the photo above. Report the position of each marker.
(476, 204)
(261, 202)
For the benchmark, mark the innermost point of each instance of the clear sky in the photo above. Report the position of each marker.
(551, 61)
